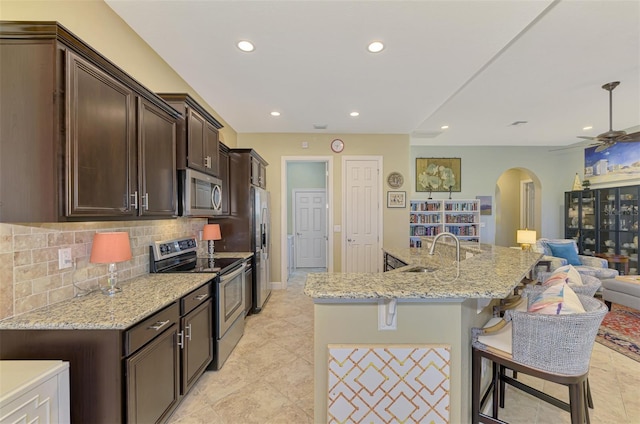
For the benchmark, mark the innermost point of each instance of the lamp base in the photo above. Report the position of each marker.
(526, 247)
(111, 290)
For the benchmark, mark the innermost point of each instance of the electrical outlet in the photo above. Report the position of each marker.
(64, 258)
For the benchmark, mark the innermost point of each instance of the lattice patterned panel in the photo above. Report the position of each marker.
(388, 384)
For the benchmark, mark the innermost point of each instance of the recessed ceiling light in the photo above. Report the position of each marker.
(354, 114)
(245, 46)
(444, 127)
(275, 113)
(375, 47)
(587, 128)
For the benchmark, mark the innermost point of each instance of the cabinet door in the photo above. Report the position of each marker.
(255, 172)
(196, 153)
(157, 152)
(101, 169)
(211, 147)
(224, 177)
(152, 379)
(262, 176)
(248, 290)
(198, 343)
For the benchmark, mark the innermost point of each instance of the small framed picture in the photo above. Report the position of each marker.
(396, 199)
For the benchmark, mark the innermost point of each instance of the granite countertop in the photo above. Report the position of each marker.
(492, 272)
(243, 255)
(140, 297)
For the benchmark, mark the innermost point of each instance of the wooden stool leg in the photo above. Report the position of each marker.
(589, 398)
(503, 386)
(577, 402)
(476, 367)
(497, 382)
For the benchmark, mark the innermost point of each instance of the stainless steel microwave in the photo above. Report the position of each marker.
(200, 194)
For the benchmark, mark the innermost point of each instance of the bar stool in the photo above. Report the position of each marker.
(555, 348)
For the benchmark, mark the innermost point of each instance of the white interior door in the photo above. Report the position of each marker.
(310, 228)
(362, 214)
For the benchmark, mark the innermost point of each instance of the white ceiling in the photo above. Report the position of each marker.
(474, 65)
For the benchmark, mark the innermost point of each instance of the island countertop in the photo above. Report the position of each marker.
(492, 272)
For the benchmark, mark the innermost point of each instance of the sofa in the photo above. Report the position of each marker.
(561, 252)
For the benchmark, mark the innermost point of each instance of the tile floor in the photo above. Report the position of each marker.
(269, 377)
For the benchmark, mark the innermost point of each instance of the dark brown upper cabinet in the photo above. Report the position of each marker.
(224, 177)
(197, 140)
(80, 139)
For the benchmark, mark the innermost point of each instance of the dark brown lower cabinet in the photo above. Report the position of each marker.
(197, 352)
(134, 375)
(153, 380)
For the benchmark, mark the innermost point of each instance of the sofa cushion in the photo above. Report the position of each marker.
(558, 299)
(566, 251)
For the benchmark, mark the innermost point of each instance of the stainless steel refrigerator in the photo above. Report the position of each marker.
(248, 226)
(262, 234)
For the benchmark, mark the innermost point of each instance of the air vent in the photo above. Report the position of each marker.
(320, 126)
(425, 134)
(516, 123)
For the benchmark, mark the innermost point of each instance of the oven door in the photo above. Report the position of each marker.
(202, 194)
(230, 300)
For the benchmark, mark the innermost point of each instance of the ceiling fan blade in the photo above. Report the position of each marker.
(589, 138)
(629, 138)
(602, 147)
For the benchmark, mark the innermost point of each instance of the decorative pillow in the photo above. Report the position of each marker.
(566, 251)
(574, 277)
(556, 278)
(558, 299)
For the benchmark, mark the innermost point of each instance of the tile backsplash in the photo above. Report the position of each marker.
(29, 274)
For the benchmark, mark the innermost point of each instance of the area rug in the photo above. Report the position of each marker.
(620, 331)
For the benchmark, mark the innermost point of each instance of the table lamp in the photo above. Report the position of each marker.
(211, 232)
(109, 248)
(526, 238)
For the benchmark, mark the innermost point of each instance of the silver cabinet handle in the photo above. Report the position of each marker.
(181, 339)
(145, 201)
(188, 336)
(135, 200)
(201, 296)
(158, 325)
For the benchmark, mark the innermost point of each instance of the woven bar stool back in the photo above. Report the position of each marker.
(555, 348)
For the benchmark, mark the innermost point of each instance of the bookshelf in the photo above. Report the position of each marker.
(431, 217)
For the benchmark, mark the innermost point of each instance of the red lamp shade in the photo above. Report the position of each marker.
(110, 248)
(211, 232)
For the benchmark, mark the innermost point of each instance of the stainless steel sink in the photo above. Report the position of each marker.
(419, 268)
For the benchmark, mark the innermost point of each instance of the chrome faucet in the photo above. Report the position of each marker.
(445, 233)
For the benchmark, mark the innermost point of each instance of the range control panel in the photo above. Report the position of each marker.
(170, 248)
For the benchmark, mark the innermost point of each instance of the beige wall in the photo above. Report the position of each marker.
(394, 149)
(95, 23)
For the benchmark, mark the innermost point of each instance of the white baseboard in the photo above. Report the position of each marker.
(277, 285)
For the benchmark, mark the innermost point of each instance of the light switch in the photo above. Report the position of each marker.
(64, 258)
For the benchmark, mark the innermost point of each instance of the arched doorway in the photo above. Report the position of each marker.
(518, 204)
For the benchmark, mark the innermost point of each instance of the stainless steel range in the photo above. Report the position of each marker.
(180, 255)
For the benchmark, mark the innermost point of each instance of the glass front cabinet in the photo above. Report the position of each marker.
(580, 220)
(605, 222)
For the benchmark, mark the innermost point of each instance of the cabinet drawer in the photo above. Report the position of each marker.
(190, 301)
(145, 331)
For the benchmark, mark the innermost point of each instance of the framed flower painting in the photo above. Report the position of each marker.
(438, 174)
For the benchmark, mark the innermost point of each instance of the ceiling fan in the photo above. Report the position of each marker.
(611, 137)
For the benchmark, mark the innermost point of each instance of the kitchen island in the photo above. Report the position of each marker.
(432, 310)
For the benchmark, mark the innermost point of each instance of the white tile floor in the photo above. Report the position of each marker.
(269, 376)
